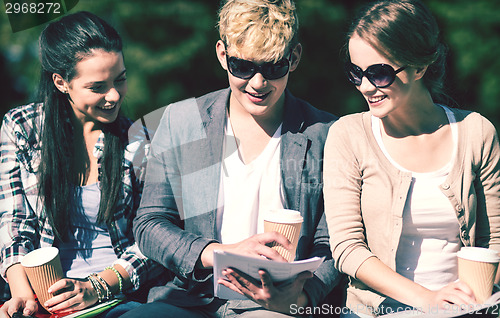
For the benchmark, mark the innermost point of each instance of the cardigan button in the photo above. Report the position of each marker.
(459, 208)
(446, 186)
(465, 235)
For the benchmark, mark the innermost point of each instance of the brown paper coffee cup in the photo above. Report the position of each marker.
(477, 268)
(43, 268)
(288, 223)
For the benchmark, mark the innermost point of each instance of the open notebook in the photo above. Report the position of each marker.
(279, 271)
(84, 313)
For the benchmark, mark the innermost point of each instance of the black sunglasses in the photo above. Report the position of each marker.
(380, 75)
(245, 69)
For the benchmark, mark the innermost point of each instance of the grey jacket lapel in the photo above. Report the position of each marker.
(293, 151)
(213, 115)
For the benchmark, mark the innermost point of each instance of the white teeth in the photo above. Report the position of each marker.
(376, 99)
(257, 95)
(108, 107)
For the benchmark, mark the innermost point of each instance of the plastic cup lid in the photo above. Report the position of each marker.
(283, 216)
(39, 256)
(479, 254)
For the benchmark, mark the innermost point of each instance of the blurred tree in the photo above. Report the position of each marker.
(471, 29)
(170, 53)
(18, 65)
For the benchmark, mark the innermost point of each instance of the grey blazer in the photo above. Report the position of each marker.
(177, 216)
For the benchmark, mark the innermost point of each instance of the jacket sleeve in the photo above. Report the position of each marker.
(487, 185)
(18, 225)
(159, 226)
(342, 191)
(326, 277)
(141, 270)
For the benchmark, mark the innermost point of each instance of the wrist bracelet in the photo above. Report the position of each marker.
(120, 279)
(105, 286)
(98, 289)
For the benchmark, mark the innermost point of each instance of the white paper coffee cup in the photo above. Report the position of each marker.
(288, 223)
(43, 268)
(477, 268)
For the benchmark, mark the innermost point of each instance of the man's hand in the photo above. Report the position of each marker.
(265, 293)
(253, 246)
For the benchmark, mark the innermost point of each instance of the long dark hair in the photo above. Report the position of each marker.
(62, 45)
(405, 31)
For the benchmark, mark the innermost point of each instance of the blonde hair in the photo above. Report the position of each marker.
(261, 29)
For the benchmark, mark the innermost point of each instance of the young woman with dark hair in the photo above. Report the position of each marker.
(66, 173)
(410, 182)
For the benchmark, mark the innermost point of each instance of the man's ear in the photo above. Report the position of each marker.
(220, 50)
(60, 83)
(295, 58)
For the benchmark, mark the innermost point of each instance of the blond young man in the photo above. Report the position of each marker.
(221, 160)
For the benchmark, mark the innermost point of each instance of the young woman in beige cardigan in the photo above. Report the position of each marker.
(411, 181)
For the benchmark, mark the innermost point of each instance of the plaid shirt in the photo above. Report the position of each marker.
(24, 225)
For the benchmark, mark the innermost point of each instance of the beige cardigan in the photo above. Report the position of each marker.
(365, 195)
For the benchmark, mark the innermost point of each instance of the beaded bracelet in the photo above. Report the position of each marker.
(105, 286)
(98, 289)
(94, 287)
(100, 286)
(120, 279)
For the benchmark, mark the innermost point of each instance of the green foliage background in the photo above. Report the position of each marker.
(170, 53)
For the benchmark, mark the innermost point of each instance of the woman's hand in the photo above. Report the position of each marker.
(386, 281)
(456, 293)
(27, 306)
(71, 295)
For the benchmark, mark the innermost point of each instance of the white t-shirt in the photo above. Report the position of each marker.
(430, 236)
(247, 190)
